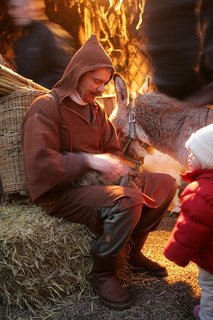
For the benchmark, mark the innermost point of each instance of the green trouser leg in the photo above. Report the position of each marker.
(118, 225)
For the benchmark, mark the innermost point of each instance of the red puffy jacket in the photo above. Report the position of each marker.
(192, 236)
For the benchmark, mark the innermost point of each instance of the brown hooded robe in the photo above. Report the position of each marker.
(55, 140)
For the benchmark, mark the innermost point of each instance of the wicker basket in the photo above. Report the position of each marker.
(12, 110)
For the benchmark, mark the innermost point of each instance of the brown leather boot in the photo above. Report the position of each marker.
(104, 283)
(142, 263)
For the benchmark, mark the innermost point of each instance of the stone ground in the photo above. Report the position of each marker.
(172, 298)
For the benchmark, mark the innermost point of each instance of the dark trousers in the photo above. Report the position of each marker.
(113, 212)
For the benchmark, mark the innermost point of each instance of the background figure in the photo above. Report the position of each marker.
(192, 237)
(179, 40)
(43, 49)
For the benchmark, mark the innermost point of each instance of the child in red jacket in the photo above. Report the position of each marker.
(192, 236)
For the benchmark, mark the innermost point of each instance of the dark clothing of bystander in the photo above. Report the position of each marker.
(41, 54)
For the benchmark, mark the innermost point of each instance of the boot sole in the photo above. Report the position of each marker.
(109, 304)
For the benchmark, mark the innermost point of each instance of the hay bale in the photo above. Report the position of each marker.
(42, 258)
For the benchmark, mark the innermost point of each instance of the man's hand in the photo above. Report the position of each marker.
(108, 165)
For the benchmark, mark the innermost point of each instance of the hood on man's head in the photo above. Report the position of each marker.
(91, 56)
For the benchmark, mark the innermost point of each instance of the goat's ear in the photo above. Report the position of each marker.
(121, 91)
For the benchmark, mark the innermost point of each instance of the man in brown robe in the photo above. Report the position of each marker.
(65, 134)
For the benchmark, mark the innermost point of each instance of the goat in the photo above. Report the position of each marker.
(162, 122)
(162, 125)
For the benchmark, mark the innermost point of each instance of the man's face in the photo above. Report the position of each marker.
(20, 11)
(92, 84)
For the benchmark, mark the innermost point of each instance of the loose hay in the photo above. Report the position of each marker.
(42, 258)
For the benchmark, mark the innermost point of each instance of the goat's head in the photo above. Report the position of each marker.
(124, 118)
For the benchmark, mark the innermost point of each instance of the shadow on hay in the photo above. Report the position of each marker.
(163, 300)
(152, 300)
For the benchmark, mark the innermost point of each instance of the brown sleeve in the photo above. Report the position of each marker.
(45, 165)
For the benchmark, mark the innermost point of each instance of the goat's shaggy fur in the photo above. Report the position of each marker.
(162, 162)
(161, 121)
